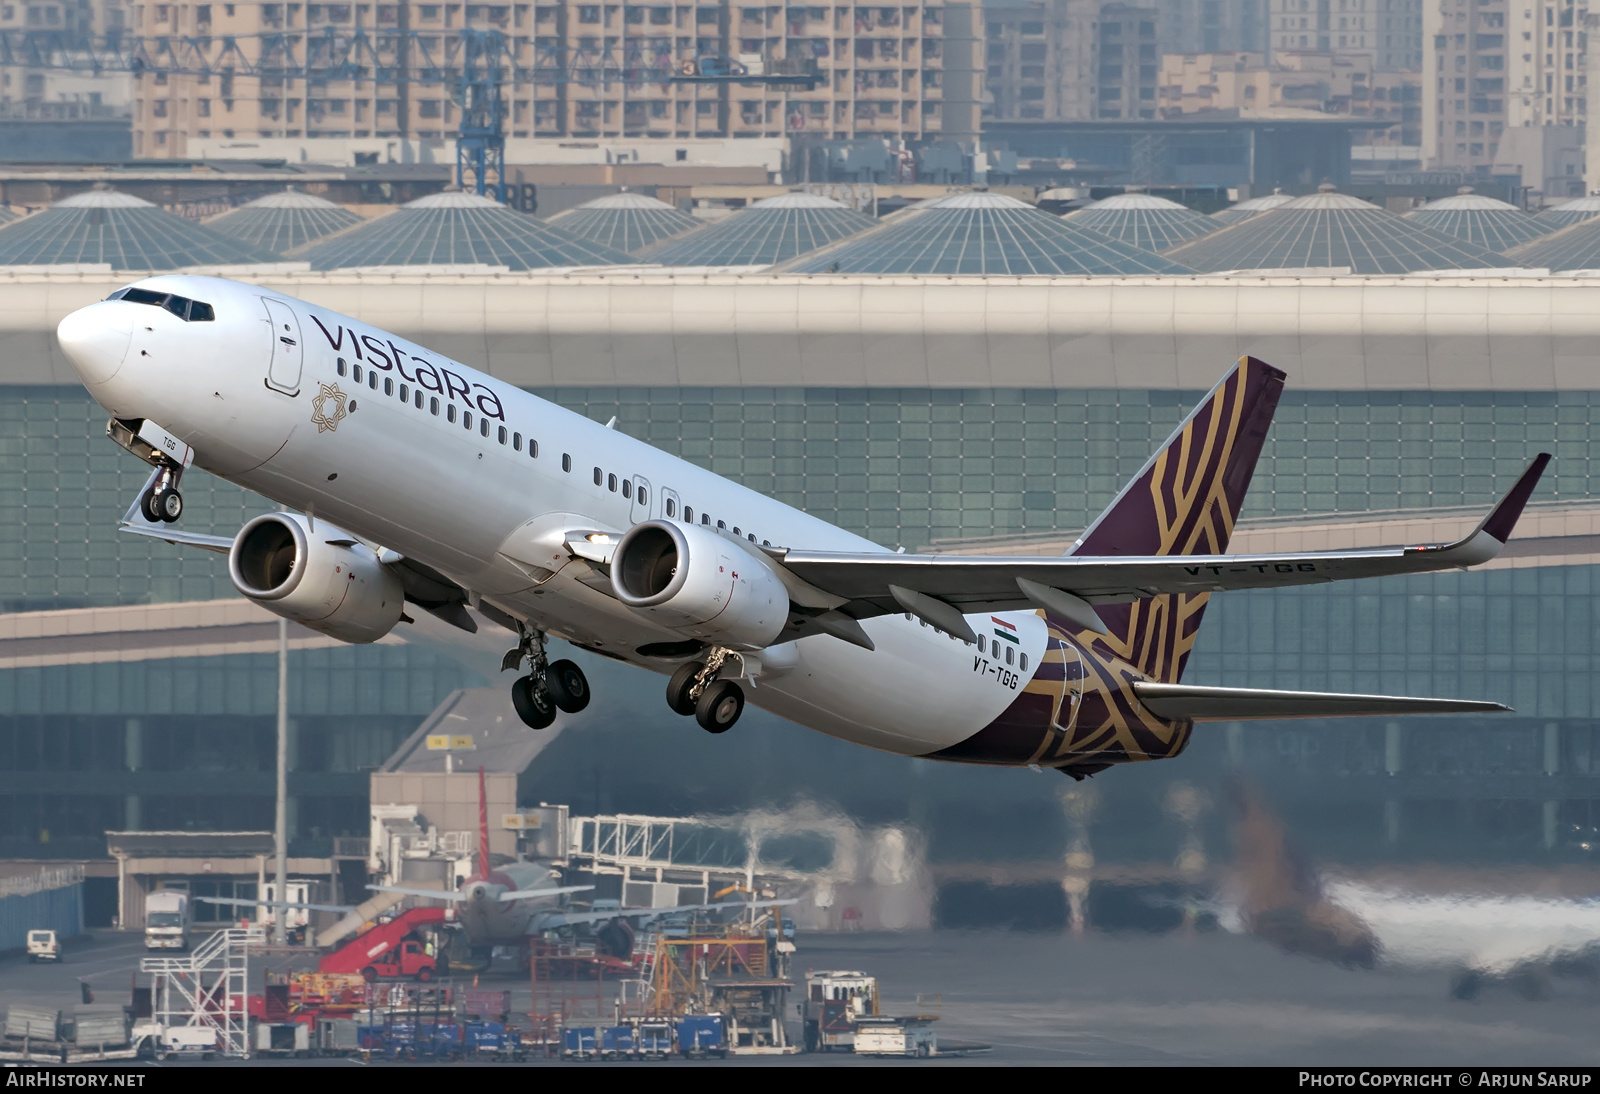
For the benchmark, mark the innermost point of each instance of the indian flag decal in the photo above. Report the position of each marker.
(1005, 630)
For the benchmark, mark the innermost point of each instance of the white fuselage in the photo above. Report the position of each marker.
(485, 512)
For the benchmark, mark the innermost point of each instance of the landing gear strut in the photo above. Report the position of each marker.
(695, 689)
(162, 504)
(548, 687)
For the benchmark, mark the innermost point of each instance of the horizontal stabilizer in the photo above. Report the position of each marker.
(1177, 702)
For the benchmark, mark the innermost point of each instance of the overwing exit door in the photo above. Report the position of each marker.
(288, 357)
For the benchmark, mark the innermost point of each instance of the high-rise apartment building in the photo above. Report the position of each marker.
(1211, 26)
(576, 68)
(1129, 73)
(1388, 31)
(35, 93)
(1070, 60)
(1040, 59)
(1493, 66)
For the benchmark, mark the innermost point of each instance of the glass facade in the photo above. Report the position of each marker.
(188, 743)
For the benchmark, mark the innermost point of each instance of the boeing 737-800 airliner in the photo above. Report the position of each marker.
(411, 477)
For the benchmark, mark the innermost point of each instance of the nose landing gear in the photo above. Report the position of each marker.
(161, 503)
(695, 689)
(548, 687)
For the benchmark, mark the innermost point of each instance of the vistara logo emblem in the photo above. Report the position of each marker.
(327, 409)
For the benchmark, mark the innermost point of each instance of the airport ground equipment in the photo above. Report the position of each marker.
(835, 1002)
(580, 1042)
(205, 990)
(33, 1021)
(702, 1035)
(166, 920)
(882, 1035)
(383, 948)
(198, 1042)
(282, 1039)
(43, 946)
(652, 1039)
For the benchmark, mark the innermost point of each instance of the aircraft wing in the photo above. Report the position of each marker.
(550, 921)
(434, 894)
(941, 588)
(527, 894)
(1203, 704)
(345, 909)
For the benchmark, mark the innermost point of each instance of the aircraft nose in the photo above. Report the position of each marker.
(95, 340)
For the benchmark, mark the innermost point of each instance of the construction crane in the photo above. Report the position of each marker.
(478, 63)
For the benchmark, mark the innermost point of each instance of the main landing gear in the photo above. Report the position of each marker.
(162, 504)
(548, 687)
(695, 689)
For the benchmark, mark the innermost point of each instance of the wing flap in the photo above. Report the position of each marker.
(1183, 702)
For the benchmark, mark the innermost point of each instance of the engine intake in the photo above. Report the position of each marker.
(324, 579)
(695, 582)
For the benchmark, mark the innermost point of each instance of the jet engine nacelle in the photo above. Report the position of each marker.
(321, 578)
(698, 583)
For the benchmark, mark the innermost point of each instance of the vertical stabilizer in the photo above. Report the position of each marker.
(483, 827)
(1184, 501)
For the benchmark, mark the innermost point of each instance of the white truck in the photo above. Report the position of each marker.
(295, 920)
(43, 946)
(166, 920)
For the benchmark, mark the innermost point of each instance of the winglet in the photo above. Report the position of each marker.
(1503, 517)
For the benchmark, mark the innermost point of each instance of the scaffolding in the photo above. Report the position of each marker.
(207, 988)
(685, 967)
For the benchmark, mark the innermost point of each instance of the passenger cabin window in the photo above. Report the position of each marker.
(736, 530)
(466, 419)
(599, 477)
(611, 483)
(418, 398)
(516, 442)
(502, 436)
(533, 449)
(339, 366)
(671, 508)
(627, 488)
(450, 413)
(405, 393)
(981, 645)
(566, 460)
(1011, 655)
(372, 380)
(644, 495)
(722, 524)
(688, 514)
(483, 429)
(1022, 662)
(357, 373)
(190, 311)
(433, 406)
(705, 518)
(388, 386)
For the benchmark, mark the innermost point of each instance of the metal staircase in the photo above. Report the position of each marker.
(207, 988)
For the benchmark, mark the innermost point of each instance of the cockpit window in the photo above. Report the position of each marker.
(190, 311)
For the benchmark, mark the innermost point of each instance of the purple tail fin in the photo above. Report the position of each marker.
(1184, 501)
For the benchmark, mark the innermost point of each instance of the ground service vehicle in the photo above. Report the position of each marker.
(42, 946)
(166, 920)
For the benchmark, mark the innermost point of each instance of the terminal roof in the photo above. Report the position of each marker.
(1329, 230)
(626, 222)
(769, 231)
(983, 233)
(285, 220)
(458, 229)
(128, 233)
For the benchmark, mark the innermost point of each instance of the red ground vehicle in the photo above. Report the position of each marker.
(388, 950)
(409, 959)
